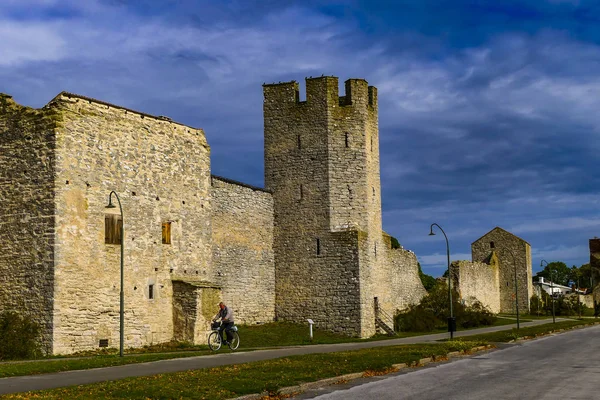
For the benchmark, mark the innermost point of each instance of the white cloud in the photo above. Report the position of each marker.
(556, 224)
(23, 42)
(441, 260)
(561, 253)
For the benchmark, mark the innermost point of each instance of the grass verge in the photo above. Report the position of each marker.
(8, 369)
(252, 337)
(529, 332)
(256, 377)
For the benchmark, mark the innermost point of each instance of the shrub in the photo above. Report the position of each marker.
(433, 311)
(416, 319)
(476, 315)
(18, 337)
(563, 305)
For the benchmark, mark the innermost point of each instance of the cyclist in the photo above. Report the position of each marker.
(226, 315)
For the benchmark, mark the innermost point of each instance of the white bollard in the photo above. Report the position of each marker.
(310, 324)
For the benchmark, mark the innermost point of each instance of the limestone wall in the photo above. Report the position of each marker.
(477, 281)
(193, 310)
(406, 286)
(506, 245)
(27, 171)
(161, 172)
(243, 258)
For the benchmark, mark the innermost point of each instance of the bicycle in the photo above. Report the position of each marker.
(215, 340)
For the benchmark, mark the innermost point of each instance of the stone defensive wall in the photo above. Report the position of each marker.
(27, 234)
(161, 171)
(242, 248)
(324, 285)
(477, 281)
(406, 287)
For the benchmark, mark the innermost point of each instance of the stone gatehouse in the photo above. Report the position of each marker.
(308, 245)
(499, 274)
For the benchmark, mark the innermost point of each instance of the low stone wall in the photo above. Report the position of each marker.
(477, 281)
(406, 287)
(242, 248)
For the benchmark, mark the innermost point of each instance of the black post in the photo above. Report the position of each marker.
(451, 319)
(551, 288)
(121, 294)
(516, 287)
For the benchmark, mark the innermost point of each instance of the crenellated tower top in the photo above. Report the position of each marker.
(322, 90)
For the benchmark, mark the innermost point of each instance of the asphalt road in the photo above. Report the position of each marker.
(82, 377)
(561, 366)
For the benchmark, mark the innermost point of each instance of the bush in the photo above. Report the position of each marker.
(416, 319)
(18, 337)
(563, 305)
(475, 315)
(433, 312)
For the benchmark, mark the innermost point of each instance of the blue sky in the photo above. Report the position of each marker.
(488, 109)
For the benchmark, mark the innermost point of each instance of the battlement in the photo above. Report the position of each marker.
(322, 90)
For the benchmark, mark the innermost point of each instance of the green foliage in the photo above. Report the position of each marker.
(395, 243)
(475, 315)
(557, 272)
(428, 281)
(531, 331)
(582, 276)
(231, 381)
(563, 305)
(433, 312)
(18, 337)
(537, 305)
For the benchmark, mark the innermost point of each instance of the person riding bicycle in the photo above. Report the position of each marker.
(226, 315)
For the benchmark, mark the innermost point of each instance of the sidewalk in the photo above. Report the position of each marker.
(82, 377)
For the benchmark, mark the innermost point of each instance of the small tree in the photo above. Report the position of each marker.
(434, 310)
(556, 271)
(18, 337)
(428, 281)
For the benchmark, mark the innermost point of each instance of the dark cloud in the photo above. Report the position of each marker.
(487, 111)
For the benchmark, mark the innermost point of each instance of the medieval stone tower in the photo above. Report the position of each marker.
(322, 165)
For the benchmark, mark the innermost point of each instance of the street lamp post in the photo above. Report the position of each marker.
(551, 288)
(578, 295)
(516, 287)
(451, 320)
(122, 297)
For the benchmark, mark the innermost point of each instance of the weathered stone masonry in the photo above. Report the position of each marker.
(27, 216)
(310, 245)
(478, 281)
(322, 165)
(490, 277)
(242, 246)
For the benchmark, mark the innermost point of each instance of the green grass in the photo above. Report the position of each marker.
(236, 380)
(277, 334)
(69, 364)
(529, 332)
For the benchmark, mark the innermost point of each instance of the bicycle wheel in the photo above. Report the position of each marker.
(214, 341)
(235, 341)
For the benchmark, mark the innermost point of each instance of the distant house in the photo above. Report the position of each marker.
(551, 288)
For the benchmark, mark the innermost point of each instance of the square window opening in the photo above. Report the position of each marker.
(113, 226)
(166, 233)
